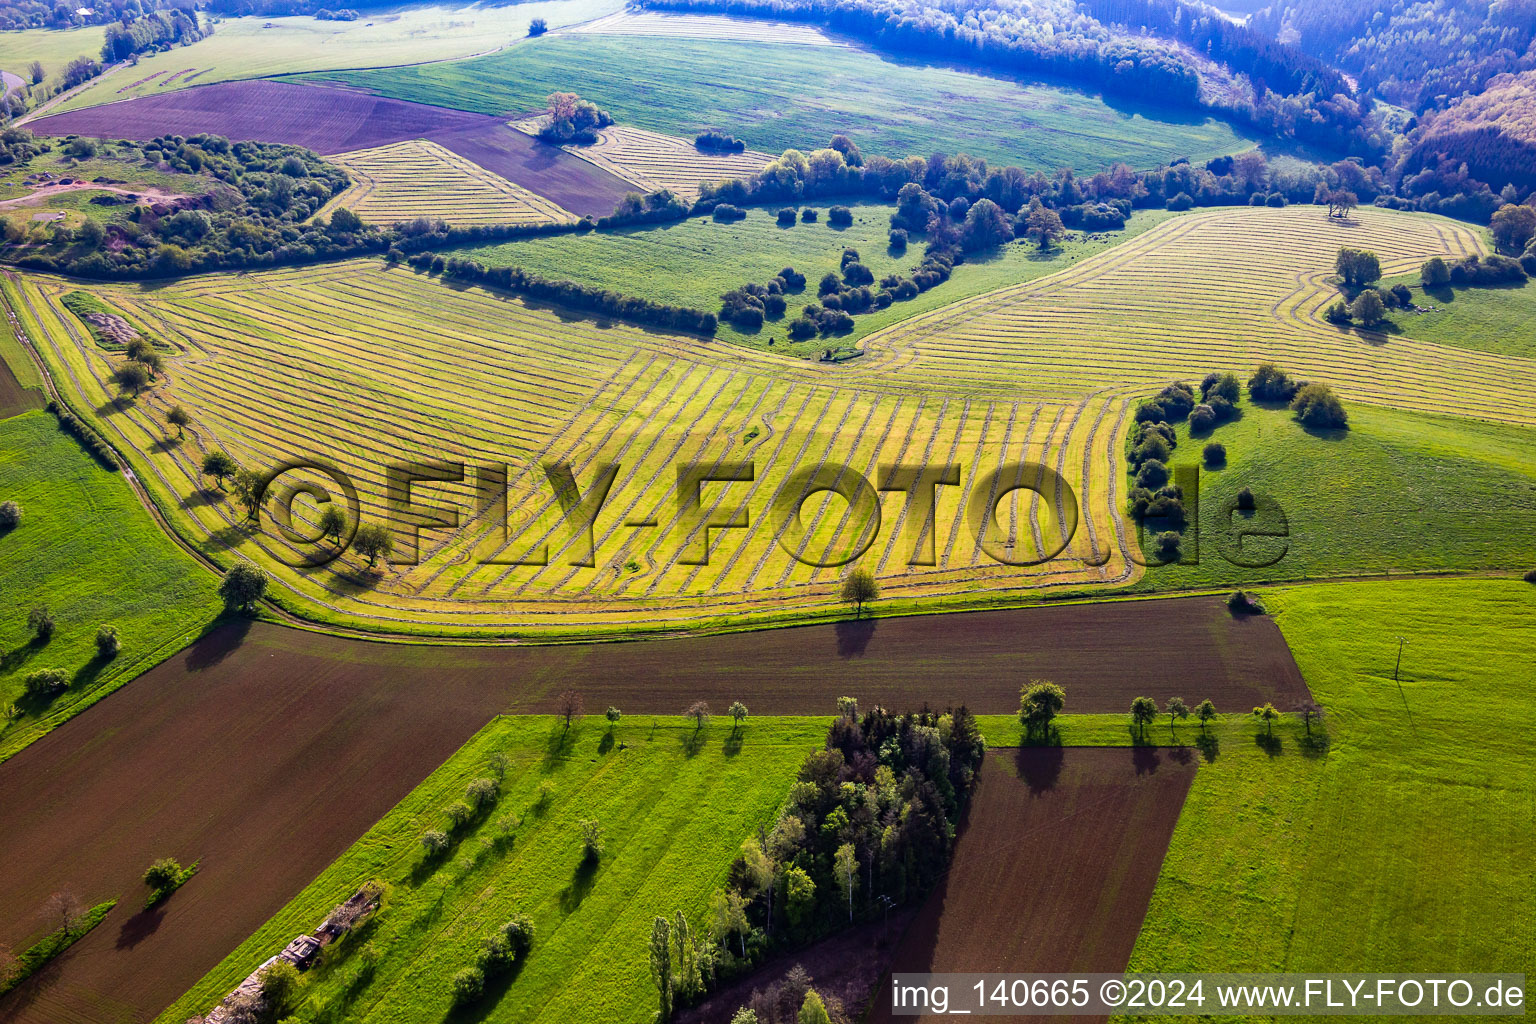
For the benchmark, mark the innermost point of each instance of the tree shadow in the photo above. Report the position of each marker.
(496, 987)
(139, 927)
(693, 742)
(560, 742)
(582, 880)
(1180, 755)
(1326, 433)
(1208, 745)
(87, 674)
(606, 743)
(853, 636)
(1269, 743)
(217, 644)
(1315, 743)
(733, 741)
(1039, 767)
(165, 444)
(1146, 760)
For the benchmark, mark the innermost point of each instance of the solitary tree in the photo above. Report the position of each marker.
(1205, 711)
(1143, 712)
(1040, 702)
(64, 908)
(613, 715)
(699, 712)
(591, 841)
(219, 466)
(132, 376)
(1177, 709)
(333, 521)
(108, 644)
(163, 872)
(1267, 714)
(243, 586)
(570, 706)
(1309, 709)
(859, 587)
(35, 72)
(10, 515)
(373, 540)
(537, 27)
(177, 417)
(250, 490)
(738, 713)
(1317, 406)
(40, 622)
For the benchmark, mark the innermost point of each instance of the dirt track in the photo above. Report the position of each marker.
(1054, 867)
(265, 756)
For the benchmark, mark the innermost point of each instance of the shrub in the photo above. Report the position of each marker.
(787, 217)
(840, 217)
(1275, 199)
(719, 142)
(1170, 405)
(434, 842)
(1271, 384)
(45, 682)
(1245, 500)
(1434, 273)
(108, 644)
(162, 873)
(898, 239)
(1338, 313)
(1215, 454)
(10, 515)
(40, 622)
(518, 933)
(1224, 386)
(1153, 474)
(1168, 545)
(1530, 577)
(1202, 418)
(808, 215)
(802, 328)
(726, 213)
(1245, 603)
(468, 986)
(1317, 406)
(1180, 202)
(1402, 295)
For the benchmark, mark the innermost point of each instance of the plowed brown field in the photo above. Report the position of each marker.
(1054, 866)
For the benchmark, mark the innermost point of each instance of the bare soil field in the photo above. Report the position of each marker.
(1054, 867)
(576, 184)
(15, 399)
(323, 119)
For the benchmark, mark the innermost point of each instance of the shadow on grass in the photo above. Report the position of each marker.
(1146, 760)
(582, 880)
(693, 742)
(1269, 743)
(1208, 745)
(733, 741)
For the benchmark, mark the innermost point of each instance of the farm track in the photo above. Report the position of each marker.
(362, 366)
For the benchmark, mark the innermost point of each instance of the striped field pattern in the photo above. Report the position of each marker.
(363, 366)
(419, 178)
(654, 161)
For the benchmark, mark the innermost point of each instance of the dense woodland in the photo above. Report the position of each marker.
(58, 14)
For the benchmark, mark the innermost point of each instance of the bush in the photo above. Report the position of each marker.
(1245, 500)
(162, 873)
(1271, 384)
(1180, 202)
(40, 622)
(787, 217)
(1317, 406)
(10, 515)
(518, 934)
(840, 217)
(802, 328)
(1275, 199)
(1402, 296)
(808, 215)
(468, 986)
(1153, 474)
(1168, 545)
(1215, 454)
(725, 213)
(1245, 603)
(1434, 273)
(1530, 577)
(1202, 418)
(108, 644)
(1338, 313)
(719, 142)
(45, 682)
(898, 239)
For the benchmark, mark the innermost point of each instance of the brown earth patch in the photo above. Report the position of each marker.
(15, 399)
(576, 184)
(264, 752)
(323, 119)
(1054, 867)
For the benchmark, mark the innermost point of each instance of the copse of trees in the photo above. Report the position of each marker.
(155, 30)
(1315, 405)
(713, 141)
(1358, 267)
(572, 120)
(1269, 383)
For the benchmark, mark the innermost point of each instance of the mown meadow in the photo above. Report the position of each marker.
(792, 96)
(1500, 319)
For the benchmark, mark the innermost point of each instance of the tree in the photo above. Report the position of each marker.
(1342, 202)
(613, 715)
(1513, 226)
(40, 623)
(1215, 454)
(108, 643)
(738, 713)
(591, 841)
(481, 793)
(729, 910)
(1042, 225)
(1434, 273)
(219, 466)
(859, 587)
(699, 712)
(1266, 713)
(813, 1010)
(1368, 307)
(435, 842)
(65, 909)
(243, 586)
(687, 977)
(745, 1015)
(1317, 406)
(569, 705)
(177, 417)
(373, 540)
(1309, 709)
(848, 707)
(1246, 501)
(36, 73)
(1358, 266)
(537, 27)
(250, 492)
(1177, 710)
(1205, 711)
(468, 985)
(1143, 712)
(162, 873)
(10, 515)
(986, 225)
(45, 682)
(661, 965)
(279, 985)
(333, 521)
(1269, 383)
(498, 763)
(132, 376)
(846, 866)
(1039, 703)
(345, 222)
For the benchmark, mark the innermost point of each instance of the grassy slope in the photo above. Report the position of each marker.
(255, 47)
(672, 822)
(1406, 847)
(53, 47)
(1397, 492)
(799, 96)
(88, 551)
(694, 262)
(1485, 319)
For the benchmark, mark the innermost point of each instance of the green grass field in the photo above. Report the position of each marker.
(256, 47)
(1396, 492)
(786, 96)
(694, 262)
(1499, 320)
(1406, 845)
(674, 810)
(89, 552)
(53, 47)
